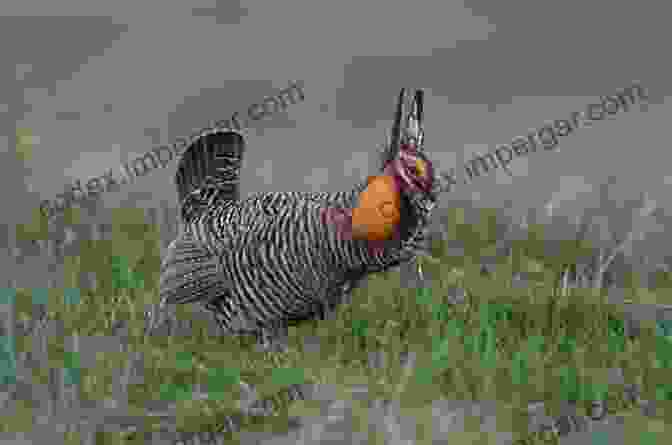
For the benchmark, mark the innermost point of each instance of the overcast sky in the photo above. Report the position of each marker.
(101, 82)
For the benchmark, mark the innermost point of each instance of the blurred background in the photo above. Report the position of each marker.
(97, 85)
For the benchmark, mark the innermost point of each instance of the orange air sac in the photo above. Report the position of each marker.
(377, 215)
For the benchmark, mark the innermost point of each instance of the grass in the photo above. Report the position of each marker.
(515, 345)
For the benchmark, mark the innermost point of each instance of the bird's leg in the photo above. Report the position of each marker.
(268, 339)
(156, 317)
(321, 310)
(250, 403)
(268, 342)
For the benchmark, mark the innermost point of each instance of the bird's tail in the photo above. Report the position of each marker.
(209, 171)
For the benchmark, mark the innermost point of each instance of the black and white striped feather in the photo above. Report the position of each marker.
(270, 259)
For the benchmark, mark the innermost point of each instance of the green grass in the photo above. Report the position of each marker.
(507, 344)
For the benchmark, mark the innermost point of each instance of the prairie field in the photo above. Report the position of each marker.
(501, 315)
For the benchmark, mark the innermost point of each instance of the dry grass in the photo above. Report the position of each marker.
(545, 340)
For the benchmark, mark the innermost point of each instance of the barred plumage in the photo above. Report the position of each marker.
(267, 258)
(273, 259)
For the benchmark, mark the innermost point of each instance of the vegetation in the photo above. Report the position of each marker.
(536, 327)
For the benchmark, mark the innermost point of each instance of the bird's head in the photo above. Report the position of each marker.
(413, 171)
(404, 157)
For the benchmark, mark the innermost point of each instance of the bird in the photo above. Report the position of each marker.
(273, 259)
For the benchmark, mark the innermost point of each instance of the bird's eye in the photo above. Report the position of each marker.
(419, 167)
